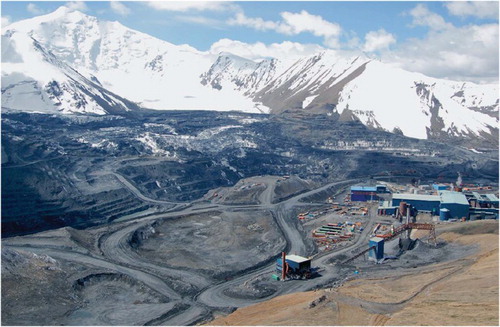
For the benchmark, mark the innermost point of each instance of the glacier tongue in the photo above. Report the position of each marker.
(70, 62)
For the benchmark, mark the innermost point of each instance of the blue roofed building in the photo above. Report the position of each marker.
(364, 193)
(440, 187)
(485, 200)
(421, 202)
(455, 202)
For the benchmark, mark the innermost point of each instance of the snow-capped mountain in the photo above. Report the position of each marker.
(152, 73)
(375, 93)
(34, 79)
(67, 62)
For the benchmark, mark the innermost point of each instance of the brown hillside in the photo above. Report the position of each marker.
(460, 292)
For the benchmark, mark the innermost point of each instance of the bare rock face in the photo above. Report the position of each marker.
(33, 285)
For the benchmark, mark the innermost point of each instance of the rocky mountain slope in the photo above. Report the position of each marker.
(75, 169)
(70, 62)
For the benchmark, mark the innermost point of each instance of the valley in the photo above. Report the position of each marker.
(83, 171)
(180, 220)
(237, 181)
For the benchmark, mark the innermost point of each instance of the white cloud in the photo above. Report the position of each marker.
(480, 9)
(201, 20)
(184, 6)
(378, 40)
(256, 23)
(424, 17)
(293, 24)
(260, 50)
(305, 22)
(119, 8)
(460, 53)
(6, 21)
(77, 5)
(33, 8)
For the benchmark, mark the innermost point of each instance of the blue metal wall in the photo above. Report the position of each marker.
(456, 210)
(440, 187)
(419, 205)
(444, 214)
(378, 252)
(364, 197)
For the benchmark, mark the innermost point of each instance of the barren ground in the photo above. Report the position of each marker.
(215, 242)
(458, 292)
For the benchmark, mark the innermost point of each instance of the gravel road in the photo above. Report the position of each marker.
(116, 254)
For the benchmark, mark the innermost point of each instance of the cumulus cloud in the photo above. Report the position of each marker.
(260, 50)
(479, 9)
(256, 23)
(119, 8)
(467, 52)
(77, 5)
(184, 6)
(424, 17)
(33, 8)
(6, 21)
(378, 40)
(293, 24)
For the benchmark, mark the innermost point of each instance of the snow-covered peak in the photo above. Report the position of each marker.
(68, 61)
(418, 105)
(61, 15)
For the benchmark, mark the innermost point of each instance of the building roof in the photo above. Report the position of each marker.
(440, 185)
(376, 239)
(476, 195)
(415, 197)
(296, 258)
(364, 188)
(386, 205)
(491, 197)
(453, 197)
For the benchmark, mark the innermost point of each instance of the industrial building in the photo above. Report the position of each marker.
(367, 193)
(293, 266)
(456, 203)
(421, 202)
(377, 248)
(483, 200)
(387, 210)
(440, 187)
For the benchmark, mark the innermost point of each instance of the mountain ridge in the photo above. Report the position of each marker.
(84, 65)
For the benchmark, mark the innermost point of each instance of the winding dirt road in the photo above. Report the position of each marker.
(117, 255)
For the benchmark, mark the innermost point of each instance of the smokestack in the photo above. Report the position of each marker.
(407, 222)
(283, 265)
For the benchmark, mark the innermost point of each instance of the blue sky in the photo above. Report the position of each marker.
(456, 40)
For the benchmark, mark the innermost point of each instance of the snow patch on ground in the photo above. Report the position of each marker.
(307, 101)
